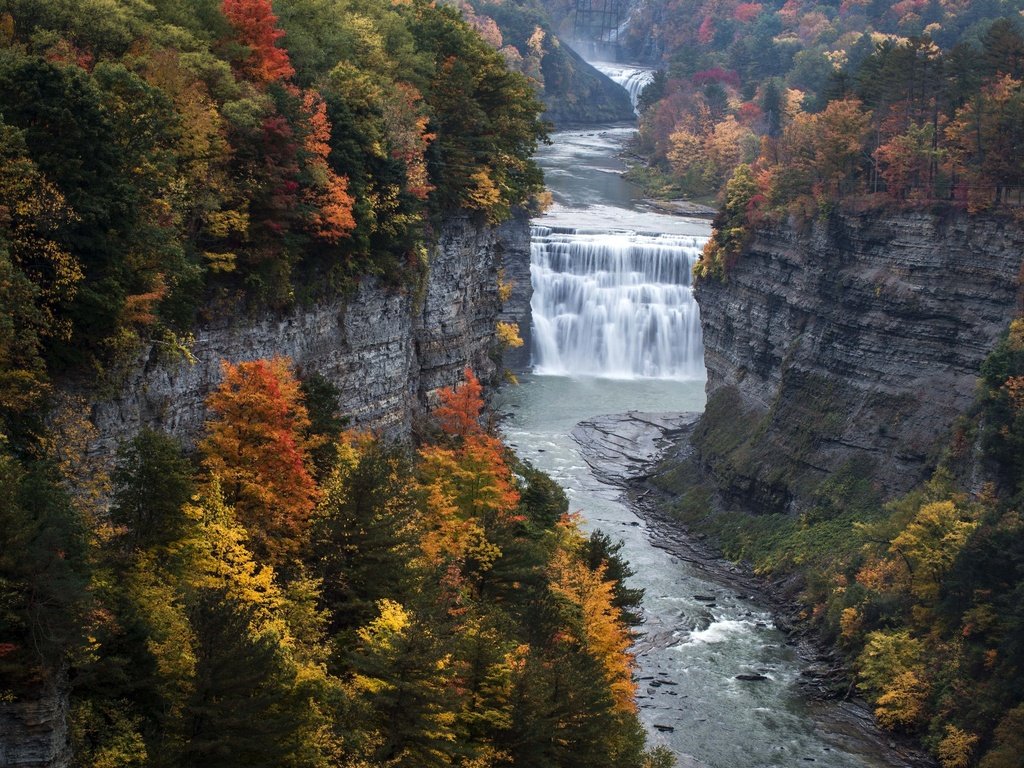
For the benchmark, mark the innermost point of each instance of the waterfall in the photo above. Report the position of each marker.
(633, 79)
(614, 303)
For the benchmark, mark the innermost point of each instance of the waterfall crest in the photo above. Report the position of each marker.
(615, 303)
(633, 79)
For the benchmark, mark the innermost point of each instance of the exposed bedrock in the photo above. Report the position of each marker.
(851, 344)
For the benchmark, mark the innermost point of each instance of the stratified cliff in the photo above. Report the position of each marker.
(387, 351)
(855, 342)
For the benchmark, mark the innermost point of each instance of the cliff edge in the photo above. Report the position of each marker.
(854, 342)
(386, 350)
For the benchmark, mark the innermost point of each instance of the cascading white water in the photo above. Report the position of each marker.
(615, 304)
(633, 79)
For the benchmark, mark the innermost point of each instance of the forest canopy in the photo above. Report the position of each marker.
(162, 158)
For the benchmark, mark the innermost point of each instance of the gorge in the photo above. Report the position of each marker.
(700, 630)
(265, 502)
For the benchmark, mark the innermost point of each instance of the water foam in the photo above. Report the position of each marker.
(615, 304)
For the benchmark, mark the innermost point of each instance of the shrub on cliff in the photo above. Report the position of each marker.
(732, 226)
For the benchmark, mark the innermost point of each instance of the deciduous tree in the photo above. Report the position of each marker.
(256, 445)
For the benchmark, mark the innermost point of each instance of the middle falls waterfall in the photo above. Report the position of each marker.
(616, 304)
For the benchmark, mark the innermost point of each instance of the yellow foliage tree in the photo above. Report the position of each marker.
(956, 748)
(930, 544)
(600, 629)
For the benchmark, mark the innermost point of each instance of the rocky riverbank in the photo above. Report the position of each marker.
(622, 450)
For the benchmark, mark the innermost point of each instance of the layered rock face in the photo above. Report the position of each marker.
(387, 351)
(515, 276)
(854, 344)
(34, 732)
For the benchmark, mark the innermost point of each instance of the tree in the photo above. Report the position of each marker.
(152, 482)
(365, 531)
(601, 552)
(256, 445)
(930, 544)
(406, 680)
(1009, 741)
(596, 623)
(43, 572)
(240, 712)
(256, 26)
(328, 192)
(461, 406)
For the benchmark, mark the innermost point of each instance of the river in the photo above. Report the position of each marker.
(601, 258)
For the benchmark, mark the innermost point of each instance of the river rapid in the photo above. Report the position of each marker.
(616, 260)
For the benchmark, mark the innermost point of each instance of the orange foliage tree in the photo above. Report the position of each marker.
(256, 25)
(328, 194)
(256, 445)
(469, 488)
(595, 623)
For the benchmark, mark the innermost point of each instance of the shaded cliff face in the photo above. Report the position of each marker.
(34, 732)
(577, 94)
(386, 351)
(852, 345)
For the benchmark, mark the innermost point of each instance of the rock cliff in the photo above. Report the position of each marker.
(853, 343)
(387, 351)
(577, 94)
(34, 731)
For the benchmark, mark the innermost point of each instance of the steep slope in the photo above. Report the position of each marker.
(387, 351)
(576, 93)
(859, 340)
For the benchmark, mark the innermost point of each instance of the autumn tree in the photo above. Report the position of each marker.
(327, 193)
(930, 544)
(255, 24)
(469, 489)
(461, 407)
(256, 446)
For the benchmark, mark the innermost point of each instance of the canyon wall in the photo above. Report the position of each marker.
(386, 350)
(852, 343)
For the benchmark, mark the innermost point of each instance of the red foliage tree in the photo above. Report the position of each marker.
(256, 25)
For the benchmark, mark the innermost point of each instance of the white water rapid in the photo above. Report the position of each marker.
(615, 303)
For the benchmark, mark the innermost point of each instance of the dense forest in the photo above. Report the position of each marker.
(164, 159)
(288, 592)
(297, 595)
(916, 101)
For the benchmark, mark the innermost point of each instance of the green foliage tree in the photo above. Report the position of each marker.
(365, 531)
(43, 572)
(152, 483)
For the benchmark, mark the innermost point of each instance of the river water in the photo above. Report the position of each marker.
(698, 634)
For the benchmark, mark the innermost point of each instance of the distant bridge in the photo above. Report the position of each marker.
(598, 21)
